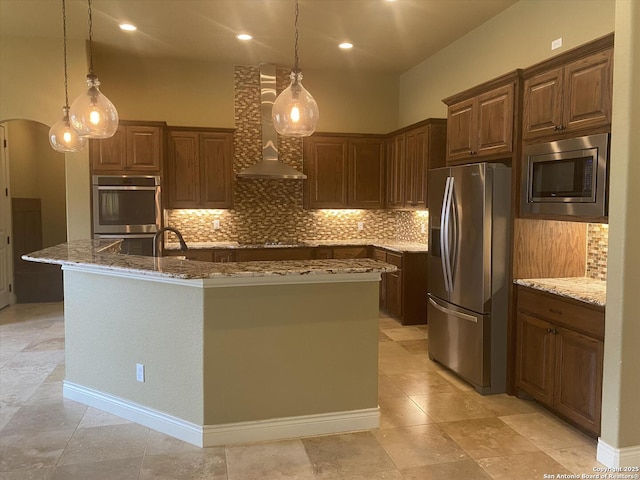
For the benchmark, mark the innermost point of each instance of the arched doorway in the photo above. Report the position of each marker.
(34, 175)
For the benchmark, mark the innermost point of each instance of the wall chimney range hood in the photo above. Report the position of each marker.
(269, 166)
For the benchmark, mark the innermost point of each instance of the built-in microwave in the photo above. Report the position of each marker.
(126, 204)
(566, 177)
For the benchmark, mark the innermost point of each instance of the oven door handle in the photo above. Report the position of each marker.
(124, 236)
(130, 187)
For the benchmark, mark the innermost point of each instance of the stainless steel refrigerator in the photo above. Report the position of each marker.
(468, 270)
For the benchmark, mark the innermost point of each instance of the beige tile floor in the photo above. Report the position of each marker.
(433, 425)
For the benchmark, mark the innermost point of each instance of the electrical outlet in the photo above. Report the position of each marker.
(423, 228)
(557, 43)
(216, 224)
(360, 226)
(139, 372)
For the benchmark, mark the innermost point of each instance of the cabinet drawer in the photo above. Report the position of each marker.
(350, 252)
(199, 255)
(380, 255)
(562, 312)
(394, 259)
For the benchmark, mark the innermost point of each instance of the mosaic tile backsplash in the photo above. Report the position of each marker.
(597, 248)
(271, 210)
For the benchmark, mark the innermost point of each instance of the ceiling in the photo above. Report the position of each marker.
(387, 36)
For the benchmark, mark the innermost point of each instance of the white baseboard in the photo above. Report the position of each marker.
(229, 433)
(618, 457)
(167, 424)
(291, 427)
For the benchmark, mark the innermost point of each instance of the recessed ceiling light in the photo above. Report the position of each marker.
(127, 27)
(244, 36)
(346, 45)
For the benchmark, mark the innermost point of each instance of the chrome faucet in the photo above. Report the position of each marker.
(183, 245)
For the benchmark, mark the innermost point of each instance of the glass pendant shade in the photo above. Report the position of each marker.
(92, 114)
(295, 112)
(63, 138)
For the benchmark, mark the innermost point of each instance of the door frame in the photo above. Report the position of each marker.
(9, 297)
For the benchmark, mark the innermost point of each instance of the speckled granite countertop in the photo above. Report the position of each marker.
(96, 253)
(388, 244)
(589, 290)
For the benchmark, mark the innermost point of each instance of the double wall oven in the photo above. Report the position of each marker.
(127, 207)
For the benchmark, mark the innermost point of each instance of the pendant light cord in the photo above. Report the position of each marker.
(64, 49)
(91, 71)
(295, 66)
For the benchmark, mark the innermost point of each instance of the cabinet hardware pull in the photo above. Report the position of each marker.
(557, 312)
(552, 330)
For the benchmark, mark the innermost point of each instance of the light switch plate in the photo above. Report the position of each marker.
(360, 226)
(216, 224)
(557, 43)
(139, 372)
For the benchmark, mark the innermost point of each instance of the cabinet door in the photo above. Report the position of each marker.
(588, 92)
(144, 148)
(393, 293)
(416, 168)
(381, 255)
(109, 154)
(535, 357)
(183, 170)
(542, 112)
(216, 170)
(578, 389)
(326, 165)
(495, 122)
(395, 171)
(366, 173)
(461, 128)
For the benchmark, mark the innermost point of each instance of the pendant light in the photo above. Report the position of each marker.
(62, 137)
(92, 114)
(295, 112)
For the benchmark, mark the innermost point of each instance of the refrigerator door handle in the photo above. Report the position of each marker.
(446, 311)
(452, 250)
(444, 235)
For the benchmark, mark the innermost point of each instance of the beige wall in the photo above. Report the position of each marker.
(37, 171)
(621, 389)
(190, 93)
(32, 88)
(517, 38)
(225, 354)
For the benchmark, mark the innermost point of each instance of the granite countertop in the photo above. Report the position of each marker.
(584, 289)
(100, 253)
(394, 245)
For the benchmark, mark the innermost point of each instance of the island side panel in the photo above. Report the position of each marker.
(290, 350)
(113, 323)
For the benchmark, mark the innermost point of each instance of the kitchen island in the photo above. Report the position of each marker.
(218, 354)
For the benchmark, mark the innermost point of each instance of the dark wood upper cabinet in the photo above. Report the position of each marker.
(410, 154)
(570, 94)
(216, 170)
(366, 173)
(483, 122)
(344, 171)
(326, 163)
(136, 147)
(199, 169)
(395, 155)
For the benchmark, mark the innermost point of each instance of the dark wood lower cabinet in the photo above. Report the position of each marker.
(403, 293)
(559, 355)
